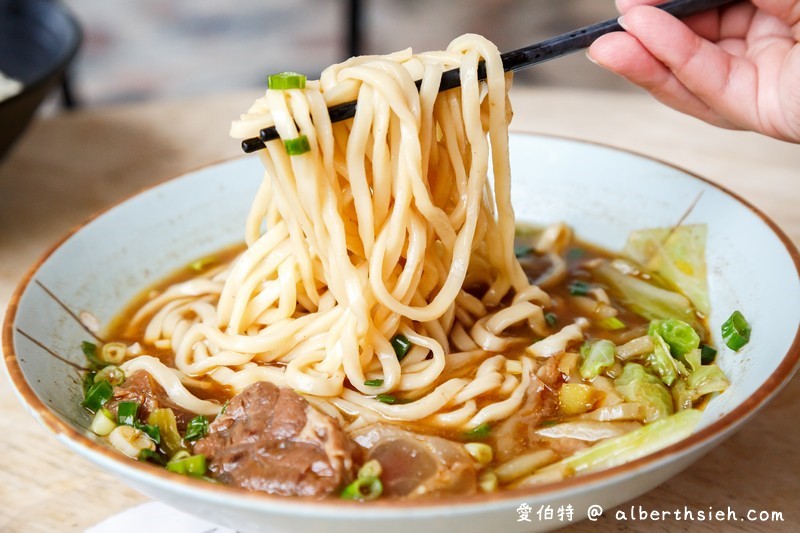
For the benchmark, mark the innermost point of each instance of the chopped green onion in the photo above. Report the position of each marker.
(736, 331)
(371, 468)
(363, 489)
(373, 382)
(388, 398)
(401, 345)
(579, 288)
(182, 454)
(202, 264)
(197, 428)
(480, 451)
(113, 353)
(286, 80)
(148, 455)
(126, 413)
(548, 423)
(194, 465)
(551, 319)
(112, 373)
(522, 250)
(575, 253)
(151, 431)
(297, 146)
(479, 432)
(707, 354)
(487, 481)
(612, 323)
(88, 381)
(89, 349)
(103, 423)
(97, 395)
(224, 406)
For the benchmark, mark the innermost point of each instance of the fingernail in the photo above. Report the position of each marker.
(590, 58)
(621, 22)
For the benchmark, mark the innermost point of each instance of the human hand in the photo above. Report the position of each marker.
(736, 67)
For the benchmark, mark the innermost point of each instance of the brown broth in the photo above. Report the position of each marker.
(565, 308)
(120, 328)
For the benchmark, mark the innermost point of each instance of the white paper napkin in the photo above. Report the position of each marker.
(155, 517)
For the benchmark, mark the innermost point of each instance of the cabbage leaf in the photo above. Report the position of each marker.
(622, 449)
(597, 357)
(676, 255)
(646, 299)
(661, 361)
(636, 384)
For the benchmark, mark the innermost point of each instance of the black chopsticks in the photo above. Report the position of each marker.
(514, 60)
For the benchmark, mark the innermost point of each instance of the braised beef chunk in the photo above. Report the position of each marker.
(142, 388)
(270, 439)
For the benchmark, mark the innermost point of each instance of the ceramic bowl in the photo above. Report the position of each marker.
(602, 192)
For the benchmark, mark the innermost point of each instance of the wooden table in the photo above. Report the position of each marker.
(70, 166)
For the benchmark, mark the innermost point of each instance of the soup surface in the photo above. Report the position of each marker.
(596, 376)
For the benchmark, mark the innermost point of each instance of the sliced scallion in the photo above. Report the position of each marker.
(579, 288)
(194, 465)
(480, 451)
(736, 331)
(89, 349)
(286, 80)
(612, 323)
(150, 456)
(151, 431)
(478, 432)
(371, 468)
(88, 381)
(112, 373)
(363, 489)
(97, 395)
(197, 428)
(373, 382)
(297, 146)
(126, 413)
(401, 345)
(551, 319)
(707, 354)
(387, 398)
(103, 423)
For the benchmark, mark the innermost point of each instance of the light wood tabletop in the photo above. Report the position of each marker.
(72, 165)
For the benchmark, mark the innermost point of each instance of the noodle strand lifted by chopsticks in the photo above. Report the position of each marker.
(377, 230)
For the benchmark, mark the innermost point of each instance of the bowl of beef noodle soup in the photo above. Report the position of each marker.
(409, 319)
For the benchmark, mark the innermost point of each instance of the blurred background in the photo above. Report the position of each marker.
(137, 50)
